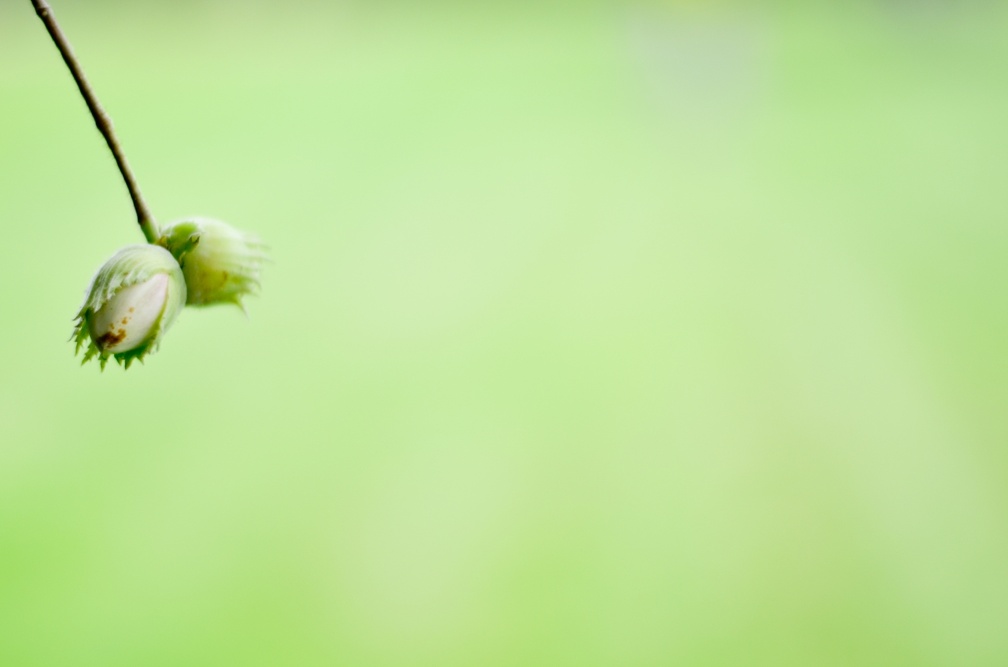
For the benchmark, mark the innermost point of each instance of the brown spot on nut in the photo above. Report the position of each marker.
(110, 338)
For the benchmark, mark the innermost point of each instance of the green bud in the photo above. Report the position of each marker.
(221, 264)
(132, 301)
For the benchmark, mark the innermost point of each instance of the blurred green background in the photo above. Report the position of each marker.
(595, 334)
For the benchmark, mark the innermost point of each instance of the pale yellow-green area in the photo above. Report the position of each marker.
(596, 334)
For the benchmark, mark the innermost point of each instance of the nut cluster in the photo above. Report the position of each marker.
(137, 294)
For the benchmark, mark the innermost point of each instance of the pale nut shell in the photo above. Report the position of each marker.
(131, 316)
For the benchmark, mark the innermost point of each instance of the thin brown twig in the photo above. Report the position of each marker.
(147, 224)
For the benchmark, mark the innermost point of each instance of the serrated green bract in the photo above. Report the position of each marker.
(133, 299)
(221, 264)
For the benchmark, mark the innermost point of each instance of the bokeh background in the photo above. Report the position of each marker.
(596, 333)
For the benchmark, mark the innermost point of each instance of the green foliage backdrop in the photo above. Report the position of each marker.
(595, 334)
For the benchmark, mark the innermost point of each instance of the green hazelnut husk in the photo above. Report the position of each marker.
(221, 264)
(133, 299)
